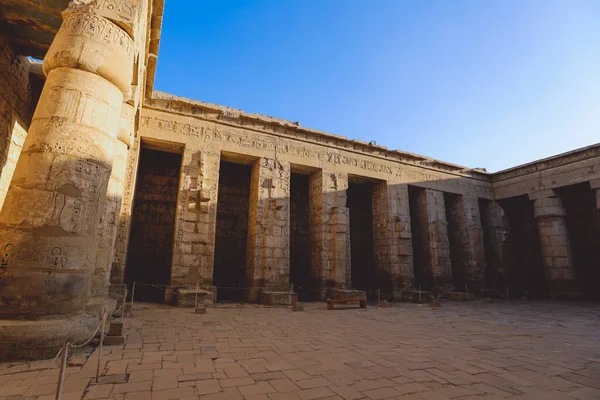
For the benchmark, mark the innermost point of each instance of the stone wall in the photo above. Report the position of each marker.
(562, 170)
(328, 159)
(468, 219)
(16, 110)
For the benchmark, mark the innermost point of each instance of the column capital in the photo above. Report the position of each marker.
(92, 43)
(595, 183)
(542, 194)
(548, 207)
(121, 12)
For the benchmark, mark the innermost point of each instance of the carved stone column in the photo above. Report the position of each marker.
(268, 254)
(392, 238)
(108, 224)
(438, 266)
(329, 231)
(466, 242)
(50, 216)
(550, 215)
(495, 230)
(595, 185)
(196, 225)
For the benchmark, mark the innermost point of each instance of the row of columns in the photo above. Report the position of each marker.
(478, 261)
(56, 254)
(267, 261)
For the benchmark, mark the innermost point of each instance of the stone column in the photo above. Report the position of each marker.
(107, 226)
(495, 231)
(595, 185)
(392, 238)
(468, 237)
(438, 266)
(117, 273)
(329, 231)
(550, 214)
(268, 254)
(197, 218)
(49, 220)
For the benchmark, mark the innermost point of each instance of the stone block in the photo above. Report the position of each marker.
(186, 297)
(114, 340)
(459, 296)
(333, 293)
(416, 296)
(115, 328)
(278, 298)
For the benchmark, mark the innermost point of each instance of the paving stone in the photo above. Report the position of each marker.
(467, 352)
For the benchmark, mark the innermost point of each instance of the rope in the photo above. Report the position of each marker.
(76, 346)
(47, 369)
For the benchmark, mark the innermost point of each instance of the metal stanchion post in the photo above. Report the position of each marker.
(101, 340)
(123, 308)
(63, 366)
(132, 294)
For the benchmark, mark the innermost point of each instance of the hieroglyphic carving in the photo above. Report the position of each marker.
(210, 136)
(98, 28)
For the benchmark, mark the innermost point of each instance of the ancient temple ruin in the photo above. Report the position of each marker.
(105, 182)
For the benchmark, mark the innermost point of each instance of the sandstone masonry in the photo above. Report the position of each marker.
(105, 183)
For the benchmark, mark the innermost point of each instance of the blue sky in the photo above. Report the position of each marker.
(481, 83)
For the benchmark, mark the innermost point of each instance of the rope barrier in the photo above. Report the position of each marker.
(47, 369)
(77, 346)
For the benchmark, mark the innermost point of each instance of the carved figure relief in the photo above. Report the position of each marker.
(55, 259)
(7, 257)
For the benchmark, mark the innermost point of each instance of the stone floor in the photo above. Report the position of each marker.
(537, 350)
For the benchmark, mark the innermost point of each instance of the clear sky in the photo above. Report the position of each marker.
(481, 83)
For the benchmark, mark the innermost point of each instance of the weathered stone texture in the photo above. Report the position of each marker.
(329, 229)
(392, 237)
(268, 257)
(15, 111)
(69, 170)
(558, 171)
(466, 241)
(554, 239)
(108, 223)
(124, 227)
(196, 218)
(433, 216)
(495, 236)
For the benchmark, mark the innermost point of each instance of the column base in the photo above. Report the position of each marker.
(335, 294)
(459, 296)
(278, 298)
(416, 296)
(41, 338)
(186, 297)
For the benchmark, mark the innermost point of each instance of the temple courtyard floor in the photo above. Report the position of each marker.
(503, 350)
